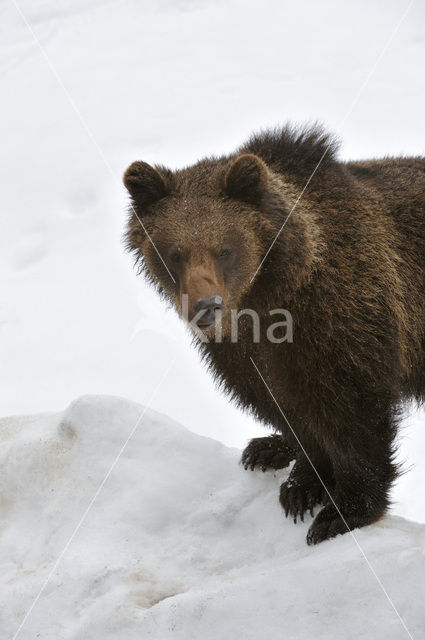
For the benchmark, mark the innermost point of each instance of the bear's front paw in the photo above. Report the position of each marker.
(268, 453)
(327, 524)
(296, 499)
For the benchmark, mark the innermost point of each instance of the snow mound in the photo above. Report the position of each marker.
(180, 542)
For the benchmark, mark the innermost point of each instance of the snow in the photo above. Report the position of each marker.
(170, 81)
(181, 542)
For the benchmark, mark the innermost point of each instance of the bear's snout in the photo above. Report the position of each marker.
(208, 308)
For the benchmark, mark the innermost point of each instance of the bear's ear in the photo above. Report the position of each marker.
(246, 178)
(144, 183)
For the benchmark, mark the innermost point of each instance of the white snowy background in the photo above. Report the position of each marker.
(180, 542)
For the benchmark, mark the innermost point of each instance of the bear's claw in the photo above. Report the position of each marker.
(327, 524)
(267, 453)
(298, 499)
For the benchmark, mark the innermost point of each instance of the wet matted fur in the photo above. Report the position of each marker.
(349, 265)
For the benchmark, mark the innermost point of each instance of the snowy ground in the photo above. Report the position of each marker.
(181, 542)
(166, 81)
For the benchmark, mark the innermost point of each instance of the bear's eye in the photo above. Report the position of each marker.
(175, 257)
(224, 253)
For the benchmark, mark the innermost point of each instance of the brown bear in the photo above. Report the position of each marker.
(283, 224)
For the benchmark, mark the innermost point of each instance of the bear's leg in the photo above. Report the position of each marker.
(304, 489)
(362, 461)
(270, 452)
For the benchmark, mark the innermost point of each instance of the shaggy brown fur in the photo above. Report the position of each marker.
(349, 265)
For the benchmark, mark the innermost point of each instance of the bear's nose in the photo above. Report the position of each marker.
(208, 308)
(215, 303)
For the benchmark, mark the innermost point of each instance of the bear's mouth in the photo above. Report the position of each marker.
(207, 320)
(204, 326)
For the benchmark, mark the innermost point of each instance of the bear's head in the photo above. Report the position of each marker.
(200, 234)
